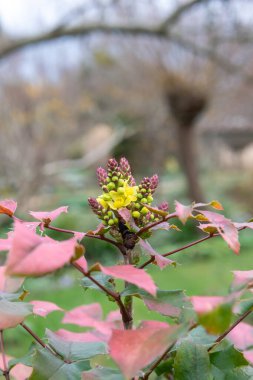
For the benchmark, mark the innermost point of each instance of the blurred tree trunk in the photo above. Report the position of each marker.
(186, 104)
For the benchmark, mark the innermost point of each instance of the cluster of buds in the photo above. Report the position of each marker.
(120, 191)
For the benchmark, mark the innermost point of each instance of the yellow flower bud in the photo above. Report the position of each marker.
(136, 214)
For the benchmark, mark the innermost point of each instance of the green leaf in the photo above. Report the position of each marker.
(244, 305)
(172, 303)
(103, 279)
(26, 360)
(49, 367)
(192, 362)
(103, 373)
(75, 350)
(218, 320)
(242, 373)
(165, 367)
(10, 296)
(227, 359)
(200, 336)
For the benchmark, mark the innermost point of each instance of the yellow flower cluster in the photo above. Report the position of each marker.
(122, 197)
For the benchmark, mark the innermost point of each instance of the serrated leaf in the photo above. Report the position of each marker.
(160, 260)
(103, 279)
(156, 211)
(242, 373)
(43, 308)
(228, 359)
(49, 367)
(73, 351)
(183, 212)
(192, 362)
(48, 216)
(8, 207)
(133, 350)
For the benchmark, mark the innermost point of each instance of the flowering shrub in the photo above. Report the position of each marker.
(200, 337)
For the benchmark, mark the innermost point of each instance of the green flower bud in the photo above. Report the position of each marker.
(139, 196)
(150, 199)
(106, 217)
(111, 222)
(115, 178)
(152, 217)
(106, 197)
(111, 186)
(109, 213)
(118, 174)
(108, 179)
(104, 187)
(143, 191)
(136, 214)
(144, 210)
(120, 190)
(137, 205)
(121, 182)
(116, 220)
(104, 210)
(104, 222)
(144, 200)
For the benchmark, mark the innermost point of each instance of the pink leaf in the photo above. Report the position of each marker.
(225, 228)
(160, 260)
(153, 324)
(125, 214)
(9, 284)
(243, 225)
(242, 336)
(242, 277)
(133, 275)
(43, 308)
(79, 235)
(161, 226)
(89, 316)
(77, 337)
(33, 255)
(162, 308)
(48, 216)
(8, 207)
(205, 304)
(133, 350)
(183, 212)
(248, 354)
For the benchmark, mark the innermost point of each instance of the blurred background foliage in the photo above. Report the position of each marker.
(169, 85)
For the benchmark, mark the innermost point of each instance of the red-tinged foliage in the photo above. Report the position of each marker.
(159, 260)
(13, 313)
(77, 337)
(225, 228)
(19, 371)
(43, 308)
(205, 304)
(48, 216)
(133, 350)
(242, 277)
(133, 275)
(8, 207)
(183, 212)
(33, 255)
(5, 244)
(242, 336)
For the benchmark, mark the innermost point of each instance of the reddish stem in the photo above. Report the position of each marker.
(100, 237)
(126, 317)
(146, 228)
(5, 367)
(221, 337)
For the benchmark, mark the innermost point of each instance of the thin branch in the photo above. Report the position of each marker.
(179, 12)
(151, 225)
(221, 337)
(5, 367)
(126, 318)
(34, 336)
(179, 249)
(157, 362)
(100, 237)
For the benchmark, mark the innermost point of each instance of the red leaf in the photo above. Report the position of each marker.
(205, 304)
(133, 350)
(89, 316)
(48, 216)
(43, 308)
(242, 225)
(133, 275)
(82, 263)
(160, 260)
(77, 337)
(8, 207)
(183, 212)
(242, 336)
(242, 277)
(225, 227)
(33, 255)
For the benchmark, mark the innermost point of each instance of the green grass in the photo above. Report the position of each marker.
(202, 270)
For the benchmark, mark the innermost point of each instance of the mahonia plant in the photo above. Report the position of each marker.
(197, 337)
